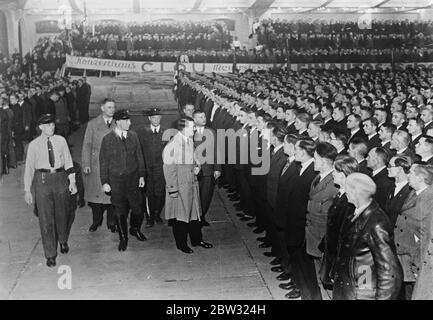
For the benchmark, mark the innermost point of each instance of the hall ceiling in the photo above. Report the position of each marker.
(224, 6)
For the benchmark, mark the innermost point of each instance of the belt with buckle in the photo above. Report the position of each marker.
(51, 170)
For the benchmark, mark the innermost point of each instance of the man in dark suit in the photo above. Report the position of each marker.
(84, 93)
(277, 162)
(339, 116)
(354, 125)
(400, 143)
(285, 185)
(326, 113)
(415, 128)
(152, 145)
(296, 217)
(426, 115)
(424, 149)
(291, 114)
(358, 149)
(339, 141)
(122, 172)
(398, 169)
(210, 166)
(18, 127)
(385, 135)
(370, 129)
(399, 120)
(377, 161)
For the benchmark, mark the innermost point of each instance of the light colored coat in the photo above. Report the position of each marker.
(179, 176)
(412, 232)
(95, 132)
(321, 198)
(424, 285)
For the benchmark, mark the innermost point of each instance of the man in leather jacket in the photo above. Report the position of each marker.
(367, 266)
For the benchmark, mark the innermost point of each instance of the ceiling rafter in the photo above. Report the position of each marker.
(323, 5)
(380, 4)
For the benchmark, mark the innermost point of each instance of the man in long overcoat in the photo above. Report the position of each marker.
(182, 204)
(96, 130)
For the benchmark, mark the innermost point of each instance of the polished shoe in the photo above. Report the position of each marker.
(252, 224)
(204, 223)
(113, 228)
(123, 244)
(138, 234)
(187, 250)
(275, 262)
(262, 239)
(150, 224)
(278, 269)
(246, 218)
(268, 254)
(287, 286)
(240, 215)
(204, 245)
(64, 248)
(93, 228)
(284, 276)
(51, 262)
(295, 293)
(258, 230)
(265, 245)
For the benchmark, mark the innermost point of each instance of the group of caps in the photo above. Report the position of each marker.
(121, 114)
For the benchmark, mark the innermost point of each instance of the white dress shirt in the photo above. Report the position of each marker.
(378, 170)
(399, 186)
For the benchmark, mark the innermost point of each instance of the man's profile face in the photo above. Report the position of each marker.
(108, 109)
(189, 110)
(200, 119)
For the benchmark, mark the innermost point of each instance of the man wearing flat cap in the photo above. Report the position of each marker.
(122, 174)
(48, 168)
(150, 137)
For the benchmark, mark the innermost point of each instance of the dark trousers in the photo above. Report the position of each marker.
(98, 210)
(62, 129)
(304, 272)
(83, 112)
(53, 207)
(19, 148)
(155, 191)
(207, 187)
(285, 250)
(125, 196)
(244, 190)
(182, 229)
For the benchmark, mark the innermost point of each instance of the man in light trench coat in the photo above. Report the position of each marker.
(94, 195)
(182, 204)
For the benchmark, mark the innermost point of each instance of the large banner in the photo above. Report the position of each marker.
(140, 66)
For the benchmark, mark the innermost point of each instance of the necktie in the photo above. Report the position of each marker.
(123, 136)
(108, 124)
(316, 181)
(50, 153)
(286, 167)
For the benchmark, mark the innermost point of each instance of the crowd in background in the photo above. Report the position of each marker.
(351, 157)
(328, 42)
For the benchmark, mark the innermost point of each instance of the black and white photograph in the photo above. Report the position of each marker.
(222, 154)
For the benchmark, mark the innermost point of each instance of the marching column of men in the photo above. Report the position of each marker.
(344, 195)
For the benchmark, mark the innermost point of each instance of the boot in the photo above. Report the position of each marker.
(5, 164)
(122, 226)
(158, 218)
(150, 222)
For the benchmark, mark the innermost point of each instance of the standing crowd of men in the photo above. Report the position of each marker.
(22, 104)
(346, 201)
